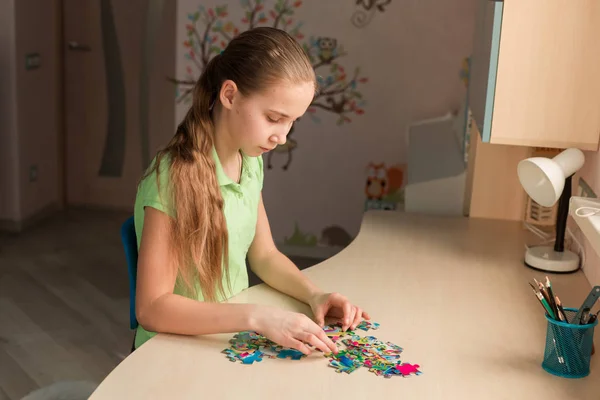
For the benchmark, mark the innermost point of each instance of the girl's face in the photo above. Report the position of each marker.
(260, 122)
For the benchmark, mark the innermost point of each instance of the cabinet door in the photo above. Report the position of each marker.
(548, 85)
(484, 63)
(534, 79)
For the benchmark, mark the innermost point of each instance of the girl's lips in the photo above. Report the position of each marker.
(265, 149)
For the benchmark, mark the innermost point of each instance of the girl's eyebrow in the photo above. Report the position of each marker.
(280, 113)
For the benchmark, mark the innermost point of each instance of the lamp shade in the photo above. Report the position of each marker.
(544, 178)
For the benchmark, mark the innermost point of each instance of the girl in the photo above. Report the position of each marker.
(199, 210)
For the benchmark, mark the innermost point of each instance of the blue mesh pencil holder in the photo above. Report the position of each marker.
(568, 347)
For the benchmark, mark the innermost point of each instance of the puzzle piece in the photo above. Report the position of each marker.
(407, 369)
(269, 351)
(334, 332)
(251, 357)
(366, 325)
(292, 353)
(340, 367)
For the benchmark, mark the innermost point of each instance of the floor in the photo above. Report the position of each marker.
(64, 301)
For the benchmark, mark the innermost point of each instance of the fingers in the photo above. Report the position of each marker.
(320, 317)
(322, 338)
(351, 318)
(325, 339)
(357, 317)
(366, 315)
(348, 316)
(314, 341)
(298, 345)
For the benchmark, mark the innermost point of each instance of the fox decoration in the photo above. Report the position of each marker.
(382, 180)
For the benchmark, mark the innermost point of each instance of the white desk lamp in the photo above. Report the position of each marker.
(547, 181)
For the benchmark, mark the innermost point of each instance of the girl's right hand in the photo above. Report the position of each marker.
(291, 329)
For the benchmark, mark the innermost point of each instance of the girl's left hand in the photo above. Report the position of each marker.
(336, 306)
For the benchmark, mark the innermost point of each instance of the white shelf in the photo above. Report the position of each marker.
(590, 226)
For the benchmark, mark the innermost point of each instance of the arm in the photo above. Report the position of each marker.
(158, 309)
(273, 267)
(277, 271)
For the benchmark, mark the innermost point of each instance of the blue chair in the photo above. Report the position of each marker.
(129, 240)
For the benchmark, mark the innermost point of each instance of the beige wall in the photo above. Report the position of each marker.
(9, 193)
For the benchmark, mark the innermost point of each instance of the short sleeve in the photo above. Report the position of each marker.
(156, 193)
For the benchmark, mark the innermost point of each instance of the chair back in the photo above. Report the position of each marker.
(129, 240)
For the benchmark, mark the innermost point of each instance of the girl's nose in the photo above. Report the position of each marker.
(279, 139)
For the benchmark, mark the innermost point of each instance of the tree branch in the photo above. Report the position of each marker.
(252, 14)
(226, 36)
(284, 9)
(323, 106)
(203, 44)
(185, 94)
(338, 90)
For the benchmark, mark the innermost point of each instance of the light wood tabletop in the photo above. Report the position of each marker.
(452, 292)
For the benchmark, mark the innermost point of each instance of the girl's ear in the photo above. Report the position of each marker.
(227, 93)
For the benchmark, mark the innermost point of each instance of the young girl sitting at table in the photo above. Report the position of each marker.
(199, 210)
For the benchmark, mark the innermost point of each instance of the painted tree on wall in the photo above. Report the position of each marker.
(209, 30)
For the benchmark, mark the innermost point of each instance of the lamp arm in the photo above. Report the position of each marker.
(562, 215)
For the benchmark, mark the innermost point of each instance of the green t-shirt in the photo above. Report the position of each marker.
(240, 209)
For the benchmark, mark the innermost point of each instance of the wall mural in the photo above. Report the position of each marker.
(366, 10)
(209, 31)
(384, 188)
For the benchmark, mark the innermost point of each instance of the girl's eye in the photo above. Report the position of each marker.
(272, 120)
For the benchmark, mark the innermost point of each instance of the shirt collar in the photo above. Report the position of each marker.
(222, 177)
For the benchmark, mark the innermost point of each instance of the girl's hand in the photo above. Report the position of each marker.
(291, 329)
(336, 306)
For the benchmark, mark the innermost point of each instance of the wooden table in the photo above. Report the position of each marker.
(451, 291)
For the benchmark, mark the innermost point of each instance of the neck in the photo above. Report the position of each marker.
(225, 146)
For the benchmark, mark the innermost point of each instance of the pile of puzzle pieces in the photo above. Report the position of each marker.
(249, 347)
(383, 359)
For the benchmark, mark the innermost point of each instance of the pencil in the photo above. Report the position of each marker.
(551, 296)
(561, 309)
(542, 300)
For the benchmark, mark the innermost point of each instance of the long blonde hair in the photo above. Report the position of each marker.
(253, 60)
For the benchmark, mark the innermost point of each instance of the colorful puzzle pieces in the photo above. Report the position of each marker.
(291, 353)
(366, 325)
(380, 358)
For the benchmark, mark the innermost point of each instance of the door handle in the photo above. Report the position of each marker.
(78, 47)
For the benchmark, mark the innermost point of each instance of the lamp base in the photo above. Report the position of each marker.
(544, 258)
